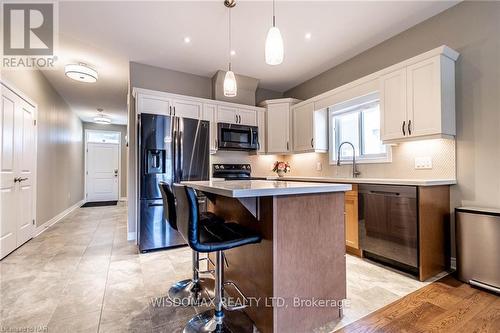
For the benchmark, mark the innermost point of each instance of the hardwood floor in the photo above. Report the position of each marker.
(447, 305)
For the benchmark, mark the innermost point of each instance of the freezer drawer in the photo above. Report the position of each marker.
(478, 246)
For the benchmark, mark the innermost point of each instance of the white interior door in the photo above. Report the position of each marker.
(102, 171)
(17, 171)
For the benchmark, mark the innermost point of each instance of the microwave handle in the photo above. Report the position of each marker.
(251, 136)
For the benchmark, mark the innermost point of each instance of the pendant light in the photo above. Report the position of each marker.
(274, 43)
(230, 86)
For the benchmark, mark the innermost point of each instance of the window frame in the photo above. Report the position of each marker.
(353, 106)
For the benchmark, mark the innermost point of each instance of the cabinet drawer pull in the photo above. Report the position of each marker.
(312, 142)
(403, 127)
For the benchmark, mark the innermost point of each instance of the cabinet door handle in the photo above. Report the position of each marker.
(403, 127)
(236, 117)
(409, 127)
(312, 142)
(239, 119)
(174, 111)
(169, 110)
(287, 146)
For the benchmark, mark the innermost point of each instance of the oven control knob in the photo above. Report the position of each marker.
(221, 167)
(216, 167)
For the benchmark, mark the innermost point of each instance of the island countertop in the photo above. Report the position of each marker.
(262, 188)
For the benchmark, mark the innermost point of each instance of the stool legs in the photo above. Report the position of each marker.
(218, 320)
(191, 291)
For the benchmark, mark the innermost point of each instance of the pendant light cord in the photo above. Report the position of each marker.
(274, 15)
(229, 51)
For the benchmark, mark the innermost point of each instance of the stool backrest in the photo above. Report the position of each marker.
(169, 210)
(187, 213)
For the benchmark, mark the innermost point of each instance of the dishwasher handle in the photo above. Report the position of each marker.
(394, 194)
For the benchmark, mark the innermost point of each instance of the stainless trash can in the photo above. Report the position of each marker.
(478, 247)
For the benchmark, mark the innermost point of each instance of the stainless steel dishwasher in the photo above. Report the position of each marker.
(388, 225)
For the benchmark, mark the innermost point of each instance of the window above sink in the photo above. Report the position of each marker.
(358, 122)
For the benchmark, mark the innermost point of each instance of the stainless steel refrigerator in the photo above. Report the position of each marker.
(172, 150)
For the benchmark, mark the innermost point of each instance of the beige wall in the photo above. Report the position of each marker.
(473, 29)
(59, 146)
(123, 163)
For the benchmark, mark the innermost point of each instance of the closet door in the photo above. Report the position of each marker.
(25, 152)
(17, 171)
(8, 193)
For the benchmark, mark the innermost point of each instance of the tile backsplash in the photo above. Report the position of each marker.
(441, 151)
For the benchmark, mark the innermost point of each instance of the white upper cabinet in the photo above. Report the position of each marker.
(278, 124)
(393, 118)
(418, 100)
(209, 113)
(153, 104)
(227, 114)
(236, 115)
(310, 129)
(247, 117)
(261, 123)
(185, 108)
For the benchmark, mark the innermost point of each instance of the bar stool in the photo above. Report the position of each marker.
(213, 237)
(189, 291)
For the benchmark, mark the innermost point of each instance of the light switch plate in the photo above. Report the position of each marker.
(424, 162)
(319, 166)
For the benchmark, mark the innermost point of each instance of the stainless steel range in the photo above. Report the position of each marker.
(233, 172)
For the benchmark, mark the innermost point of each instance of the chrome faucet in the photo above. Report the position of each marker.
(355, 172)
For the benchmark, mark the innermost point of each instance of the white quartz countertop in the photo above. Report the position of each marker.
(388, 181)
(262, 188)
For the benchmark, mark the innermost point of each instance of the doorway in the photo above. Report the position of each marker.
(102, 165)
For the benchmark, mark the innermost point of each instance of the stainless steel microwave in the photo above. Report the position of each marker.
(237, 137)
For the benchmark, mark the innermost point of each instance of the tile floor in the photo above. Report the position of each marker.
(82, 275)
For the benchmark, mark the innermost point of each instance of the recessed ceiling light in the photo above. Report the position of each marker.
(187, 40)
(233, 52)
(308, 35)
(81, 72)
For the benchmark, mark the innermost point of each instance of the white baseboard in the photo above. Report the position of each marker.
(453, 263)
(57, 218)
(131, 236)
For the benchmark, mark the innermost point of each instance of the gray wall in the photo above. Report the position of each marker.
(473, 29)
(59, 145)
(160, 79)
(124, 151)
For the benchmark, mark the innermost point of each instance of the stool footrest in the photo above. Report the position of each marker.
(238, 290)
(208, 271)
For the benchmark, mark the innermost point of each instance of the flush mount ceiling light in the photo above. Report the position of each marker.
(274, 44)
(230, 86)
(81, 72)
(101, 118)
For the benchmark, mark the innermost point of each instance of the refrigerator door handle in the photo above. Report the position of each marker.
(181, 150)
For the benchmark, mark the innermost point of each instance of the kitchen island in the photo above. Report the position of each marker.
(295, 278)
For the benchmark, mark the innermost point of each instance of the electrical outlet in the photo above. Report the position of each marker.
(423, 162)
(319, 166)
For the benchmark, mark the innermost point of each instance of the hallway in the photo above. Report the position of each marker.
(82, 275)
